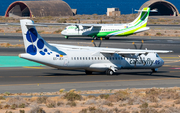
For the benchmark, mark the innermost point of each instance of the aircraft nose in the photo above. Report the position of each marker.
(62, 32)
(162, 61)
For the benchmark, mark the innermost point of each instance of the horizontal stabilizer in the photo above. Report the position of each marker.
(28, 24)
(142, 29)
(38, 25)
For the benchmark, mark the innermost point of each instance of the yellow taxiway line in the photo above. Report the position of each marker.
(34, 67)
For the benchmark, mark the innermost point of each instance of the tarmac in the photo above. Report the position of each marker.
(28, 78)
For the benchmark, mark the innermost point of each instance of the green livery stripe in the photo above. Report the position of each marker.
(142, 14)
(131, 31)
(139, 21)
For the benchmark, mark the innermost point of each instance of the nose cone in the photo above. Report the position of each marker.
(162, 61)
(62, 32)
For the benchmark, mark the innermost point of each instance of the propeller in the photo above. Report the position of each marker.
(142, 41)
(134, 45)
(94, 43)
(99, 43)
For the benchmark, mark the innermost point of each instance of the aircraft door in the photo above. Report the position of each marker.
(66, 61)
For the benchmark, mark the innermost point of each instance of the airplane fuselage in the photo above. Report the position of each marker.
(93, 60)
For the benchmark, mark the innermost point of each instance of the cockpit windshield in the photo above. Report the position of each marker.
(157, 55)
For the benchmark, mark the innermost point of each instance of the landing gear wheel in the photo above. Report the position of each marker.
(109, 72)
(107, 38)
(88, 72)
(66, 37)
(154, 70)
(95, 38)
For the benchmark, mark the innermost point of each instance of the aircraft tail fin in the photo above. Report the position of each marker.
(142, 18)
(33, 42)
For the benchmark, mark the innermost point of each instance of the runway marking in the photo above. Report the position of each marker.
(34, 67)
(15, 61)
(170, 57)
(91, 81)
(170, 66)
(174, 71)
(175, 68)
(19, 76)
(172, 61)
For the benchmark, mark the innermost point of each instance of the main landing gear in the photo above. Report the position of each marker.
(88, 72)
(106, 38)
(96, 38)
(109, 72)
(66, 37)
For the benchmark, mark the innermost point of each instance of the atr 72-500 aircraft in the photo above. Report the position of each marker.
(108, 30)
(91, 59)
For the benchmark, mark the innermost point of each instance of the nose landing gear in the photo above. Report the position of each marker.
(154, 70)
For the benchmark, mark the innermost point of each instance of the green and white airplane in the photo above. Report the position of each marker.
(108, 30)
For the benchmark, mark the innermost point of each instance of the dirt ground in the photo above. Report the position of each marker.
(152, 100)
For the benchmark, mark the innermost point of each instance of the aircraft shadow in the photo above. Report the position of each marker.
(157, 74)
(82, 73)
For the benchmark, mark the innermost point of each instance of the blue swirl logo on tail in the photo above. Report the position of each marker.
(31, 36)
(37, 44)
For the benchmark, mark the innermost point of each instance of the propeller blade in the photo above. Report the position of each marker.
(94, 43)
(134, 45)
(100, 42)
(141, 44)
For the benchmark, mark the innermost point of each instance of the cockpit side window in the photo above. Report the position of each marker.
(157, 55)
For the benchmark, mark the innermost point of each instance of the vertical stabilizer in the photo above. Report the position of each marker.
(142, 18)
(33, 42)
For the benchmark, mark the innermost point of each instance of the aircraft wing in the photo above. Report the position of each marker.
(129, 51)
(89, 25)
(112, 50)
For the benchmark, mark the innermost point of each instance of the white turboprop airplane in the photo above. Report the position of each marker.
(108, 30)
(91, 59)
